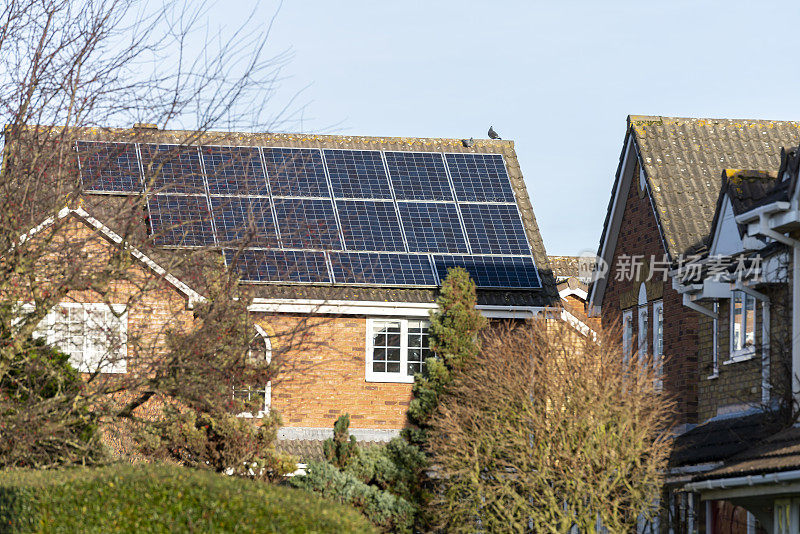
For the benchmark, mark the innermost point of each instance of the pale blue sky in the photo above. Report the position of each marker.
(556, 77)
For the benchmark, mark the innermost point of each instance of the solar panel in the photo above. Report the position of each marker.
(247, 220)
(296, 172)
(432, 227)
(255, 265)
(182, 221)
(382, 269)
(370, 225)
(480, 177)
(234, 170)
(492, 271)
(109, 167)
(307, 223)
(494, 229)
(418, 176)
(357, 174)
(172, 169)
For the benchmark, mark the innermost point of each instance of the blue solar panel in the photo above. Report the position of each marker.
(109, 167)
(382, 269)
(296, 172)
(370, 225)
(492, 271)
(234, 170)
(172, 169)
(357, 174)
(279, 265)
(494, 229)
(246, 220)
(432, 227)
(180, 220)
(418, 176)
(307, 223)
(480, 177)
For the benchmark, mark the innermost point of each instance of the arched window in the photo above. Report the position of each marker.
(257, 399)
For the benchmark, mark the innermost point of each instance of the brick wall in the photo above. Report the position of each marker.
(639, 235)
(321, 374)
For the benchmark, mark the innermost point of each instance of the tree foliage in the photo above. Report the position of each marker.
(454, 339)
(341, 449)
(551, 431)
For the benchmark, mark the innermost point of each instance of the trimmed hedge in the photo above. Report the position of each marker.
(159, 498)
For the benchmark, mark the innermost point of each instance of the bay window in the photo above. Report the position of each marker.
(396, 349)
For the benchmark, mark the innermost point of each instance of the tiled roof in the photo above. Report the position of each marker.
(565, 267)
(547, 295)
(683, 158)
(779, 452)
(718, 440)
(747, 189)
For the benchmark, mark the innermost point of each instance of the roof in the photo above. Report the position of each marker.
(718, 440)
(547, 295)
(565, 267)
(747, 190)
(779, 452)
(682, 159)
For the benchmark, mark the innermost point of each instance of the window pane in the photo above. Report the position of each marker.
(378, 367)
(750, 321)
(393, 340)
(379, 354)
(393, 355)
(393, 367)
(737, 318)
(414, 368)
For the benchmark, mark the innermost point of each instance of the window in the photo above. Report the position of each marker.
(627, 334)
(94, 335)
(643, 347)
(396, 349)
(658, 342)
(743, 328)
(256, 399)
(715, 343)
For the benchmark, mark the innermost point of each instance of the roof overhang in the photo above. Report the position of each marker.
(744, 486)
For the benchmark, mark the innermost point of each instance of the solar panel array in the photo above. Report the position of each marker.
(330, 216)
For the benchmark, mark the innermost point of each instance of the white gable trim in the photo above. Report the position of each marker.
(726, 240)
(192, 295)
(620, 198)
(578, 292)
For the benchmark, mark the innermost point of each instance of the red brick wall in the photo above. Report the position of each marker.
(321, 374)
(639, 235)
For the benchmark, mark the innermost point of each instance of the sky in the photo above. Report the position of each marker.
(558, 78)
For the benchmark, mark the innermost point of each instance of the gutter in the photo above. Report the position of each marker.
(738, 482)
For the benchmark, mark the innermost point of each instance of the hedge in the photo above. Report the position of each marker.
(159, 498)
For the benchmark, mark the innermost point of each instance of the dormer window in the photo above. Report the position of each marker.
(743, 325)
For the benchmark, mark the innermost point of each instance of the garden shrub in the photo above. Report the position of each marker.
(159, 498)
(385, 510)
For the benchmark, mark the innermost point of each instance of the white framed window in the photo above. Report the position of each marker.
(786, 517)
(715, 343)
(658, 343)
(627, 334)
(94, 335)
(396, 349)
(743, 326)
(257, 399)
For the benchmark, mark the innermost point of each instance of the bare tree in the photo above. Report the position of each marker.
(68, 70)
(550, 431)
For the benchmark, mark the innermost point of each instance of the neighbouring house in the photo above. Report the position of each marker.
(750, 355)
(573, 275)
(660, 217)
(348, 239)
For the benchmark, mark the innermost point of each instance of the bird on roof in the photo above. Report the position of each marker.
(493, 134)
(468, 142)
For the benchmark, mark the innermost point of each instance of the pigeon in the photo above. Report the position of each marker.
(493, 134)
(468, 142)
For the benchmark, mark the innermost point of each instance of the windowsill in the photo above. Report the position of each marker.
(741, 356)
(250, 415)
(389, 378)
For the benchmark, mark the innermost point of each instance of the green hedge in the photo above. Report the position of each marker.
(146, 499)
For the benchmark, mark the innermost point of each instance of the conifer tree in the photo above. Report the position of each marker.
(341, 448)
(454, 339)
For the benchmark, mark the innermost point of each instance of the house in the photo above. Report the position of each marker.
(340, 241)
(572, 275)
(748, 284)
(664, 200)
